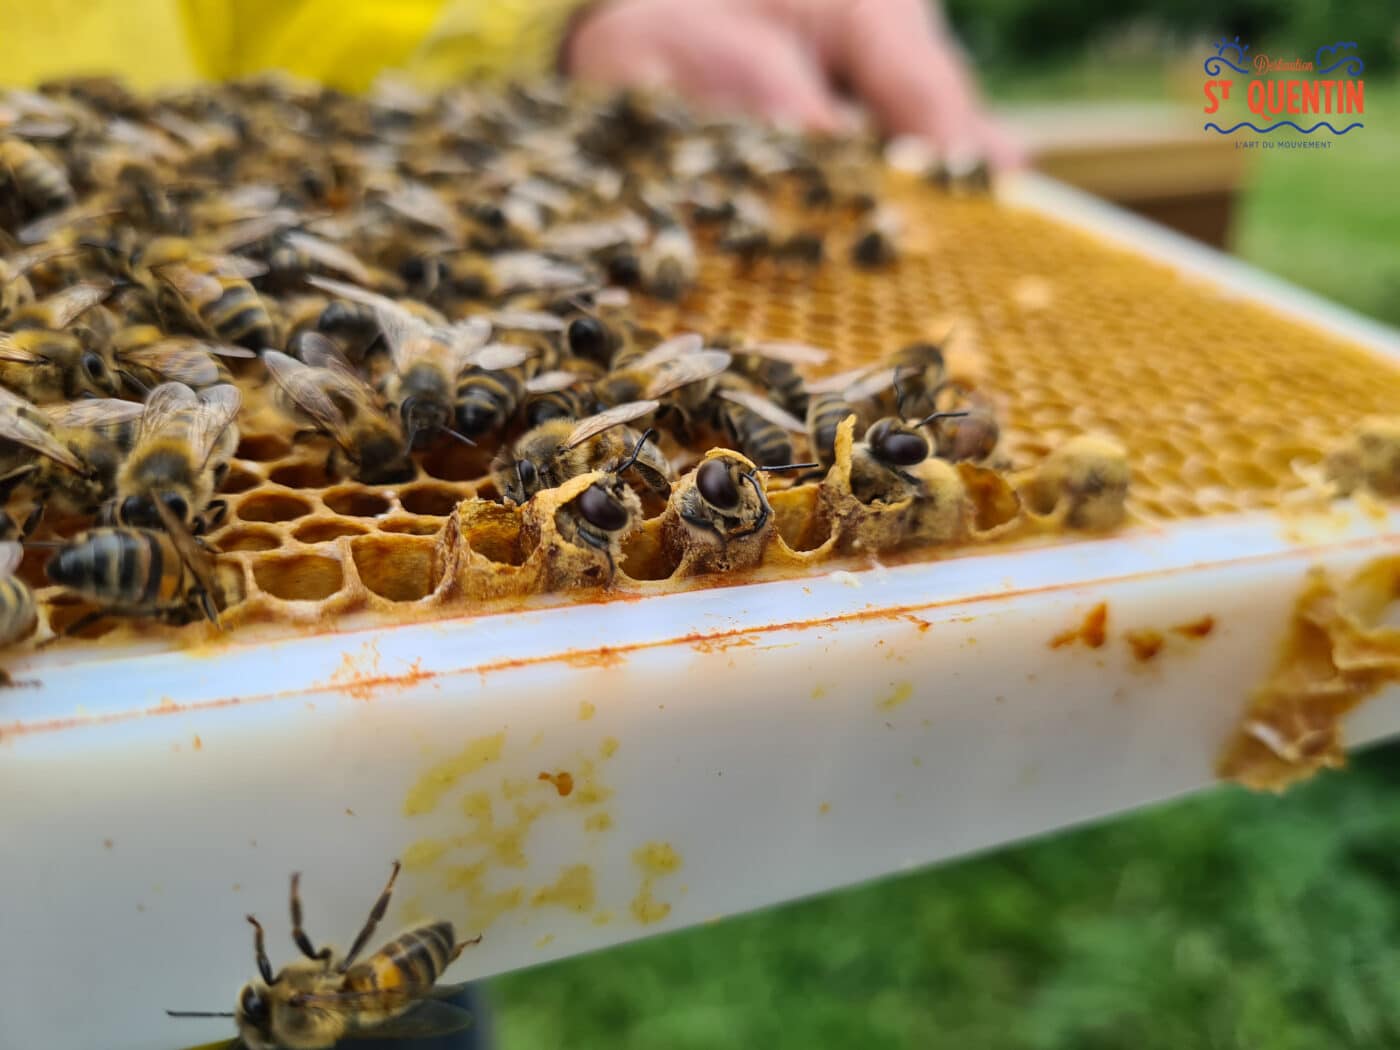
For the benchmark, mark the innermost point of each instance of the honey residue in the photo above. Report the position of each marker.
(657, 858)
(1146, 643)
(1092, 632)
(900, 695)
(586, 710)
(598, 822)
(573, 889)
(1338, 653)
(563, 782)
(1196, 628)
(442, 777)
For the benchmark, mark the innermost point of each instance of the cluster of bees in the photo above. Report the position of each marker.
(403, 270)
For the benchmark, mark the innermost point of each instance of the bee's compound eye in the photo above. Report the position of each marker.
(600, 510)
(253, 1006)
(136, 510)
(903, 448)
(176, 504)
(528, 475)
(716, 485)
(94, 366)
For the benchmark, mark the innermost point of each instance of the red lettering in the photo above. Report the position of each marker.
(1310, 88)
(1213, 103)
(1294, 100)
(1355, 96)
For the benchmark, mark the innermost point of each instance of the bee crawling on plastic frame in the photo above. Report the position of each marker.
(313, 1002)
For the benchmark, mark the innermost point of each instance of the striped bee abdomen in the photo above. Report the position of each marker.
(123, 568)
(486, 400)
(17, 614)
(410, 963)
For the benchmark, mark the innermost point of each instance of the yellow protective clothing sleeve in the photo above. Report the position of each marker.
(345, 43)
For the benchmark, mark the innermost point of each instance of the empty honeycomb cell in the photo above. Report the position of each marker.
(432, 500)
(239, 479)
(302, 475)
(323, 530)
(238, 539)
(356, 502)
(398, 568)
(262, 448)
(272, 506)
(798, 520)
(453, 461)
(412, 526)
(299, 577)
(646, 557)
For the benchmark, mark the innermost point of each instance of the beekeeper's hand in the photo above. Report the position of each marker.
(782, 59)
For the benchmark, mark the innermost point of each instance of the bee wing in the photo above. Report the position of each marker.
(422, 205)
(761, 406)
(612, 297)
(613, 417)
(303, 385)
(32, 435)
(791, 352)
(93, 412)
(237, 266)
(10, 556)
(527, 320)
(495, 356)
(198, 560)
(686, 370)
(837, 382)
(320, 351)
(670, 349)
(42, 229)
(164, 404)
(876, 382)
(426, 1017)
(22, 262)
(10, 350)
(331, 256)
(178, 361)
(251, 230)
(71, 303)
(403, 333)
(549, 382)
(531, 271)
(218, 407)
(191, 286)
(226, 350)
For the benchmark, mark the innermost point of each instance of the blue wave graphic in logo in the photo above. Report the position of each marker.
(1212, 126)
(1351, 65)
(1215, 61)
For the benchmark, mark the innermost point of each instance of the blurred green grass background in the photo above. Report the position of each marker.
(1227, 920)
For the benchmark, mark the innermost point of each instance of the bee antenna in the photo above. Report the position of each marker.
(898, 395)
(198, 1013)
(41, 545)
(934, 416)
(456, 436)
(788, 466)
(636, 451)
(141, 388)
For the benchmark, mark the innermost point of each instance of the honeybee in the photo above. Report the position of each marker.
(325, 388)
(30, 183)
(668, 264)
(313, 1003)
(914, 374)
(678, 370)
(760, 429)
(426, 360)
(875, 242)
(555, 451)
(825, 411)
(52, 458)
(58, 311)
(101, 432)
(561, 393)
(17, 612)
(455, 275)
(16, 290)
(1368, 457)
(773, 367)
(1088, 477)
(53, 366)
(146, 357)
(157, 573)
(603, 514)
(974, 435)
(883, 465)
(211, 293)
(183, 444)
(724, 499)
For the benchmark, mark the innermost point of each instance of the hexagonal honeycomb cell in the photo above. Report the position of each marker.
(1221, 404)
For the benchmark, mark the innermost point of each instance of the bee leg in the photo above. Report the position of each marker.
(86, 620)
(31, 522)
(457, 950)
(214, 515)
(260, 951)
(376, 913)
(302, 941)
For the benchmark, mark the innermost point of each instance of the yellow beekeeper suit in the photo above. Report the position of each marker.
(341, 42)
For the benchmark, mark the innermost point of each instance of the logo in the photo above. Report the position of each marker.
(1327, 86)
